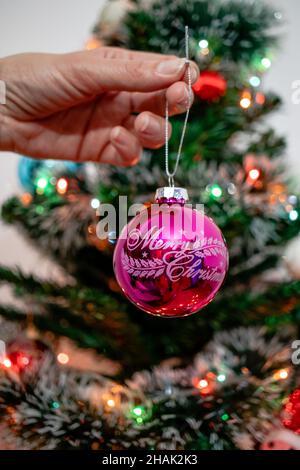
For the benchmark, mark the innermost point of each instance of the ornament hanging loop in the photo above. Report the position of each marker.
(171, 174)
(171, 181)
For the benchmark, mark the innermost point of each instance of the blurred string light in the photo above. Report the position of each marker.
(205, 51)
(111, 403)
(55, 405)
(7, 363)
(254, 174)
(293, 215)
(26, 199)
(205, 385)
(214, 190)
(221, 378)
(254, 81)
(245, 101)
(41, 185)
(281, 374)
(278, 15)
(231, 189)
(92, 43)
(203, 44)
(225, 417)
(62, 185)
(140, 413)
(292, 199)
(95, 203)
(260, 98)
(202, 383)
(266, 62)
(63, 358)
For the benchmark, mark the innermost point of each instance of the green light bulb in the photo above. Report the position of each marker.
(216, 191)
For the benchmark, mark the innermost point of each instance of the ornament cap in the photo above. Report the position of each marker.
(171, 192)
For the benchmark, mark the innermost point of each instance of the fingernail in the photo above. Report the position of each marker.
(194, 74)
(170, 67)
(117, 135)
(149, 125)
(184, 101)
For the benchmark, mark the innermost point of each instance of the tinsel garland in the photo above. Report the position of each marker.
(229, 397)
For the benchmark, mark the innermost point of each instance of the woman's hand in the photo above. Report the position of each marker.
(102, 105)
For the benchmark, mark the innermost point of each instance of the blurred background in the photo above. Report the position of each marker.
(63, 26)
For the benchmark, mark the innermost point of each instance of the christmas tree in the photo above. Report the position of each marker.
(217, 379)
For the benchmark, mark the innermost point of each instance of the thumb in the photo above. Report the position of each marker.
(93, 74)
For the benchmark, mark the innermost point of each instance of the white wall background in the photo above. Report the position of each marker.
(64, 25)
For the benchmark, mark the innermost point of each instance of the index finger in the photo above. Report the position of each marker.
(127, 54)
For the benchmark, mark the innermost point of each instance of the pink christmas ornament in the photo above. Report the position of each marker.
(171, 259)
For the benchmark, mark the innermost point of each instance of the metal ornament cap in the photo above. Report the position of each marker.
(171, 192)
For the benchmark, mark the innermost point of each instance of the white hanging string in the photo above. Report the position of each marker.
(171, 174)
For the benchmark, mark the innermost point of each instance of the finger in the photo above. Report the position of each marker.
(112, 156)
(177, 96)
(126, 143)
(91, 76)
(150, 130)
(127, 54)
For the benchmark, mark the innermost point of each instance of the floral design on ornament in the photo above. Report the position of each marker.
(143, 268)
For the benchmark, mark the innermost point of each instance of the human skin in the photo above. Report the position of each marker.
(103, 105)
